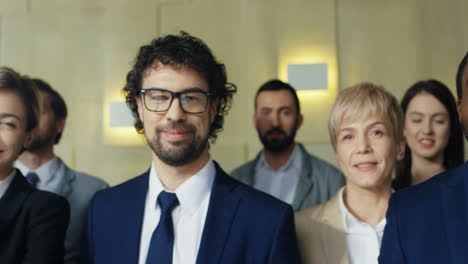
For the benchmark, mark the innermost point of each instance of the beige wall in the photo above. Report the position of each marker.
(84, 48)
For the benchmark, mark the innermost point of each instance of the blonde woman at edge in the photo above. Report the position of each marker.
(366, 130)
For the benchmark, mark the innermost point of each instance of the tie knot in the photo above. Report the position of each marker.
(167, 201)
(32, 178)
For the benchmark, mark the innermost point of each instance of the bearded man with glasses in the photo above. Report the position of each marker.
(185, 208)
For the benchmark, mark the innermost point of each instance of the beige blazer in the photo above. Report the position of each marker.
(321, 235)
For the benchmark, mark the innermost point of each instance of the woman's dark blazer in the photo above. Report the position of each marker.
(32, 225)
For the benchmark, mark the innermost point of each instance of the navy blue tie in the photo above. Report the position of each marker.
(162, 241)
(32, 178)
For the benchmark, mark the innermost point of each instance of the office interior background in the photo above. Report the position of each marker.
(84, 49)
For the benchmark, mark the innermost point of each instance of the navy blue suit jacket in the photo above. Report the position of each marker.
(428, 223)
(242, 225)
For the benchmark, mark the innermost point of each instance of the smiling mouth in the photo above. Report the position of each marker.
(176, 135)
(366, 166)
(427, 142)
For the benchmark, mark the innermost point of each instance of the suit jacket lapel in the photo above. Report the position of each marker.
(455, 205)
(221, 211)
(333, 235)
(66, 179)
(13, 199)
(249, 177)
(133, 221)
(305, 183)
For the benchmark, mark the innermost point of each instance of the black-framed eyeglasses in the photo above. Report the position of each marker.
(160, 100)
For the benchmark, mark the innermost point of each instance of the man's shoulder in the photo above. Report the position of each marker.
(89, 180)
(323, 172)
(243, 169)
(254, 201)
(125, 189)
(79, 179)
(320, 164)
(260, 213)
(428, 191)
(260, 200)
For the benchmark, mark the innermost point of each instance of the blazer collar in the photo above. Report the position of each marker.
(67, 177)
(222, 208)
(133, 199)
(333, 235)
(454, 194)
(13, 199)
(249, 178)
(305, 184)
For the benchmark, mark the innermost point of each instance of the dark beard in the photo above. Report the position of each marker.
(180, 153)
(44, 139)
(276, 145)
(38, 143)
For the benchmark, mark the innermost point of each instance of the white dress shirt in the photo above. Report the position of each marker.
(5, 183)
(47, 173)
(363, 240)
(188, 218)
(281, 183)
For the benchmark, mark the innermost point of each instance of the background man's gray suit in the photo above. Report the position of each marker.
(78, 189)
(318, 182)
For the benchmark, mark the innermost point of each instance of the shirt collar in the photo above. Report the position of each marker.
(192, 192)
(295, 160)
(351, 223)
(5, 183)
(46, 172)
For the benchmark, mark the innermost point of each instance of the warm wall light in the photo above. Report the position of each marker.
(120, 115)
(308, 76)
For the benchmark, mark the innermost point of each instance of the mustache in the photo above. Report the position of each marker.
(176, 125)
(275, 130)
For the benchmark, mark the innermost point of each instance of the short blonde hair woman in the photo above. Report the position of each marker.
(366, 131)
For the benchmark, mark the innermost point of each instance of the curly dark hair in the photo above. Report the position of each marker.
(186, 51)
